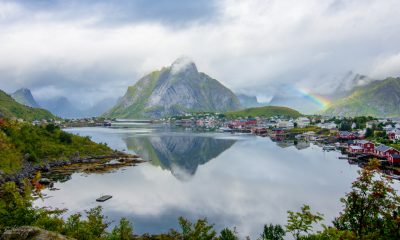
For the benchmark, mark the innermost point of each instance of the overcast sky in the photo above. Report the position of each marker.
(90, 50)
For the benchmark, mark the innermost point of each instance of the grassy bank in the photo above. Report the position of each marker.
(24, 142)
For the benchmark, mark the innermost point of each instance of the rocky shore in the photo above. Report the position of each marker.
(76, 163)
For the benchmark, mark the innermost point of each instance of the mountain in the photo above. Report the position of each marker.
(377, 99)
(10, 108)
(63, 107)
(24, 96)
(60, 106)
(174, 90)
(266, 111)
(248, 101)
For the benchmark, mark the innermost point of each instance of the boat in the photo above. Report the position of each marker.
(328, 148)
(103, 198)
(225, 129)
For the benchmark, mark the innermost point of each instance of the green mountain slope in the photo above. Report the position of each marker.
(174, 90)
(10, 108)
(267, 111)
(377, 99)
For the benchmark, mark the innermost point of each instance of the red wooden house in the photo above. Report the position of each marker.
(384, 151)
(347, 135)
(367, 146)
(391, 135)
(394, 159)
(278, 131)
(355, 149)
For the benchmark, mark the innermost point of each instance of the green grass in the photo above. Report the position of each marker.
(266, 111)
(9, 108)
(41, 143)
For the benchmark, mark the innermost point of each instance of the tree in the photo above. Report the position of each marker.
(198, 231)
(227, 234)
(272, 232)
(301, 222)
(369, 132)
(371, 209)
(123, 231)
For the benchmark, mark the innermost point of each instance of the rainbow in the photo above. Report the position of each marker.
(319, 100)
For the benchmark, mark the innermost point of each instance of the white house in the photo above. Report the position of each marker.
(302, 122)
(328, 125)
(285, 124)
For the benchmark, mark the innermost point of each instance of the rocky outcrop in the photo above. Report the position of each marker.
(32, 233)
(174, 90)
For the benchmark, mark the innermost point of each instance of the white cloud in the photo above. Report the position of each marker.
(386, 67)
(250, 45)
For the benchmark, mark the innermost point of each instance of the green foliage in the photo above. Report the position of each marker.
(93, 227)
(345, 126)
(272, 232)
(198, 231)
(9, 108)
(301, 222)
(267, 111)
(369, 133)
(123, 231)
(39, 143)
(227, 234)
(372, 208)
(16, 209)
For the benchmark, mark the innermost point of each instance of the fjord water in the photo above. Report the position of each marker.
(241, 181)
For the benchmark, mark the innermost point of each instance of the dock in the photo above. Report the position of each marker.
(103, 198)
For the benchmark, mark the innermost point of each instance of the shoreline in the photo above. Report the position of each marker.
(29, 169)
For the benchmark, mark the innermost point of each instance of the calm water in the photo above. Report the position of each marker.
(233, 180)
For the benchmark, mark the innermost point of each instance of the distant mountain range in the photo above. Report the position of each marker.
(247, 101)
(377, 99)
(174, 90)
(10, 108)
(61, 106)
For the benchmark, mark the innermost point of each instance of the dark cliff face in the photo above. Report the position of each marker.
(174, 90)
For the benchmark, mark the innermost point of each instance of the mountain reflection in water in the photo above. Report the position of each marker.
(181, 154)
(234, 180)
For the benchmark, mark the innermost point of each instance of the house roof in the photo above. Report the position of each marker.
(363, 141)
(345, 133)
(382, 148)
(396, 156)
(356, 147)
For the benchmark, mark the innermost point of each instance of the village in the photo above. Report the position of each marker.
(360, 139)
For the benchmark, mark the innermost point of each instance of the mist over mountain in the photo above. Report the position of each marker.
(249, 101)
(63, 107)
(174, 90)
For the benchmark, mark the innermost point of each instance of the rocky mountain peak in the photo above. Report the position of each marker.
(183, 65)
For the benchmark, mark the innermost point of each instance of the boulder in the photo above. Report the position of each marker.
(31, 233)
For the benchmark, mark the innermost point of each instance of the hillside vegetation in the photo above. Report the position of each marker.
(377, 99)
(266, 111)
(22, 141)
(10, 108)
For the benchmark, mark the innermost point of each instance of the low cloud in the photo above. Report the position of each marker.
(253, 46)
